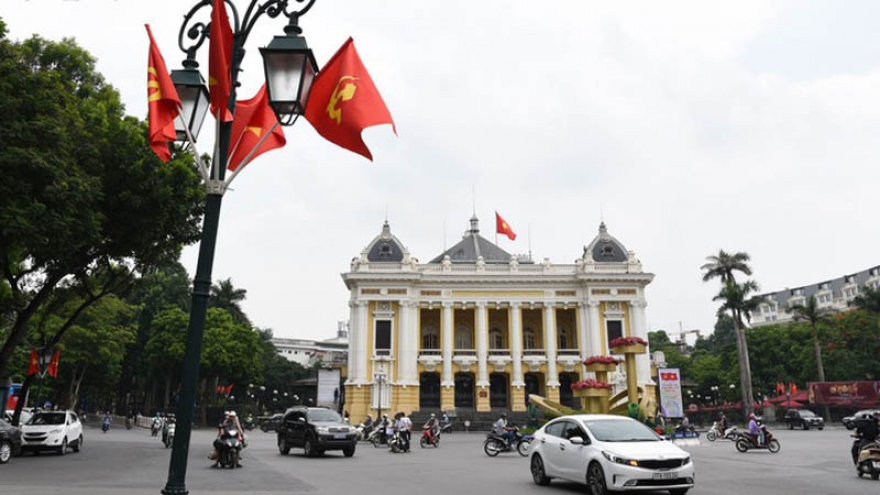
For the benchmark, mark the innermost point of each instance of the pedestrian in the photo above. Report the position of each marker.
(404, 426)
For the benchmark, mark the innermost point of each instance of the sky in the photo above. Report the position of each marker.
(688, 127)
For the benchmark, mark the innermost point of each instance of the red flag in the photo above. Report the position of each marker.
(53, 364)
(344, 101)
(502, 227)
(228, 389)
(34, 367)
(162, 100)
(253, 119)
(220, 61)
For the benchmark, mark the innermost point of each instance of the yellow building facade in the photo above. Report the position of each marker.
(478, 329)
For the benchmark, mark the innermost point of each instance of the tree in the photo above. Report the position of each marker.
(868, 299)
(225, 296)
(813, 315)
(738, 299)
(82, 193)
(724, 264)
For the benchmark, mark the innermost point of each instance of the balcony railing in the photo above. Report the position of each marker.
(464, 352)
(533, 352)
(499, 352)
(567, 352)
(431, 352)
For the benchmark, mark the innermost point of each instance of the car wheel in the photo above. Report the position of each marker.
(875, 476)
(283, 447)
(821, 428)
(79, 442)
(348, 451)
(806, 426)
(790, 425)
(538, 474)
(309, 448)
(596, 479)
(63, 449)
(5, 452)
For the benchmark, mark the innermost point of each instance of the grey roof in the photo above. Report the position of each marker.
(472, 246)
(385, 247)
(605, 248)
(835, 286)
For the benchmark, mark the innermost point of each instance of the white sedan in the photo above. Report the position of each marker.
(52, 430)
(609, 453)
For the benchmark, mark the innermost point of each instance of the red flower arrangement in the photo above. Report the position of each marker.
(590, 383)
(628, 341)
(601, 360)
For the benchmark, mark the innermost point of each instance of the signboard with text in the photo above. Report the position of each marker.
(853, 394)
(670, 392)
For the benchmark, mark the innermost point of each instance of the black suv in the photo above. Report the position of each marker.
(803, 418)
(316, 430)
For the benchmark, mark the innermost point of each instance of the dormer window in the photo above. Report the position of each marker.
(823, 286)
(608, 250)
(385, 250)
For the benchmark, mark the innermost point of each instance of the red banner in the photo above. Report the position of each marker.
(852, 394)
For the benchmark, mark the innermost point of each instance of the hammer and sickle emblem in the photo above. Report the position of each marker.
(344, 91)
(153, 83)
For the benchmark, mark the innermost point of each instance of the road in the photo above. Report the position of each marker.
(132, 462)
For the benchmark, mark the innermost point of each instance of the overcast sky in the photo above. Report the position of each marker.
(690, 126)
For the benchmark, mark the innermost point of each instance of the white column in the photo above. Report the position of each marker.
(354, 332)
(363, 322)
(446, 321)
(639, 328)
(407, 356)
(550, 343)
(482, 345)
(584, 329)
(516, 345)
(595, 331)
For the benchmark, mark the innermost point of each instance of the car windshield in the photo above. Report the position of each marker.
(616, 430)
(47, 419)
(808, 414)
(324, 415)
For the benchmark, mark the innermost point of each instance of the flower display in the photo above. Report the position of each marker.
(590, 383)
(628, 341)
(602, 360)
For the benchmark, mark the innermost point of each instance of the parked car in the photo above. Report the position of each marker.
(850, 421)
(10, 441)
(270, 423)
(803, 418)
(52, 430)
(315, 430)
(609, 453)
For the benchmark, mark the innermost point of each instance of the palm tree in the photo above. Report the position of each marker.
(814, 315)
(226, 296)
(740, 301)
(723, 264)
(868, 299)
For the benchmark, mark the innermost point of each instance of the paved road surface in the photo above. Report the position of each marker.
(132, 462)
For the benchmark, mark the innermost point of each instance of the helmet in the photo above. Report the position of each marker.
(433, 416)
(232, 414)
(504, 415)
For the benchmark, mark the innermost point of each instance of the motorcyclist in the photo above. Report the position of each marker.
(866, 431)
(168, 421)
(501, 429)
(755, 429)
(368, 425)
(230, 421)
(157, 423)
(723, 424)
(404, 426)
(105, 421)
(433, 424)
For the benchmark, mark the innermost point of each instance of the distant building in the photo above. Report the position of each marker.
(478, 328)
(836, 294)
(331, 353)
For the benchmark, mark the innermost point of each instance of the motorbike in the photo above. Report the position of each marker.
(228, 447)
(395, 442)
(747, 441)
(128, 423)
(869, 460)
(495, 444)
(377, 437)
(105, 425)
(169, 435)
(429, 438)
(715, 432)
(249, 423)
(446, 427)
(154, 428)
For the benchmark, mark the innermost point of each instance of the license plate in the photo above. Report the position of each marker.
(339, 436)
(876, 464)
(665, 476)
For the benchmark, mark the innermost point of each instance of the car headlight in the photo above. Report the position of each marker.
(56, 430)
(323, 430)
(686, 461)
(619, 460)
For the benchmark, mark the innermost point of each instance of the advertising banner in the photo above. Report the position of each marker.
(851, 394)
(670, 392)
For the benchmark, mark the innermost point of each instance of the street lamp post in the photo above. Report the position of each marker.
(290, 67)
(714, 389)
(379, 377)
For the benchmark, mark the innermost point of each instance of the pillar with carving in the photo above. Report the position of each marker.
(550, 349)
(482, 325)
(447, 384)
(517, 386)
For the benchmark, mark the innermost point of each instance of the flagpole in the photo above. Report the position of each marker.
(247, 159)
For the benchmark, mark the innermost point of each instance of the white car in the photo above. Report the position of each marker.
(609, 453)
(25, 416)
(52, 430)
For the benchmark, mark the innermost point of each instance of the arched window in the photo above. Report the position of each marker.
(496, 338)
(463, 338)
(529, 339)
(430, 338)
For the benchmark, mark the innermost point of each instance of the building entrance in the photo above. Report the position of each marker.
(429, 391)
(533, 383)
(498, 391)
(464, 390)
(566, 396)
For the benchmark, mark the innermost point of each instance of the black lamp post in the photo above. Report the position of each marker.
(293, 66)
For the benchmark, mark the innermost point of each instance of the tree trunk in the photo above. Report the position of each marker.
(821, 369)
(166, 400)
(745, 370)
